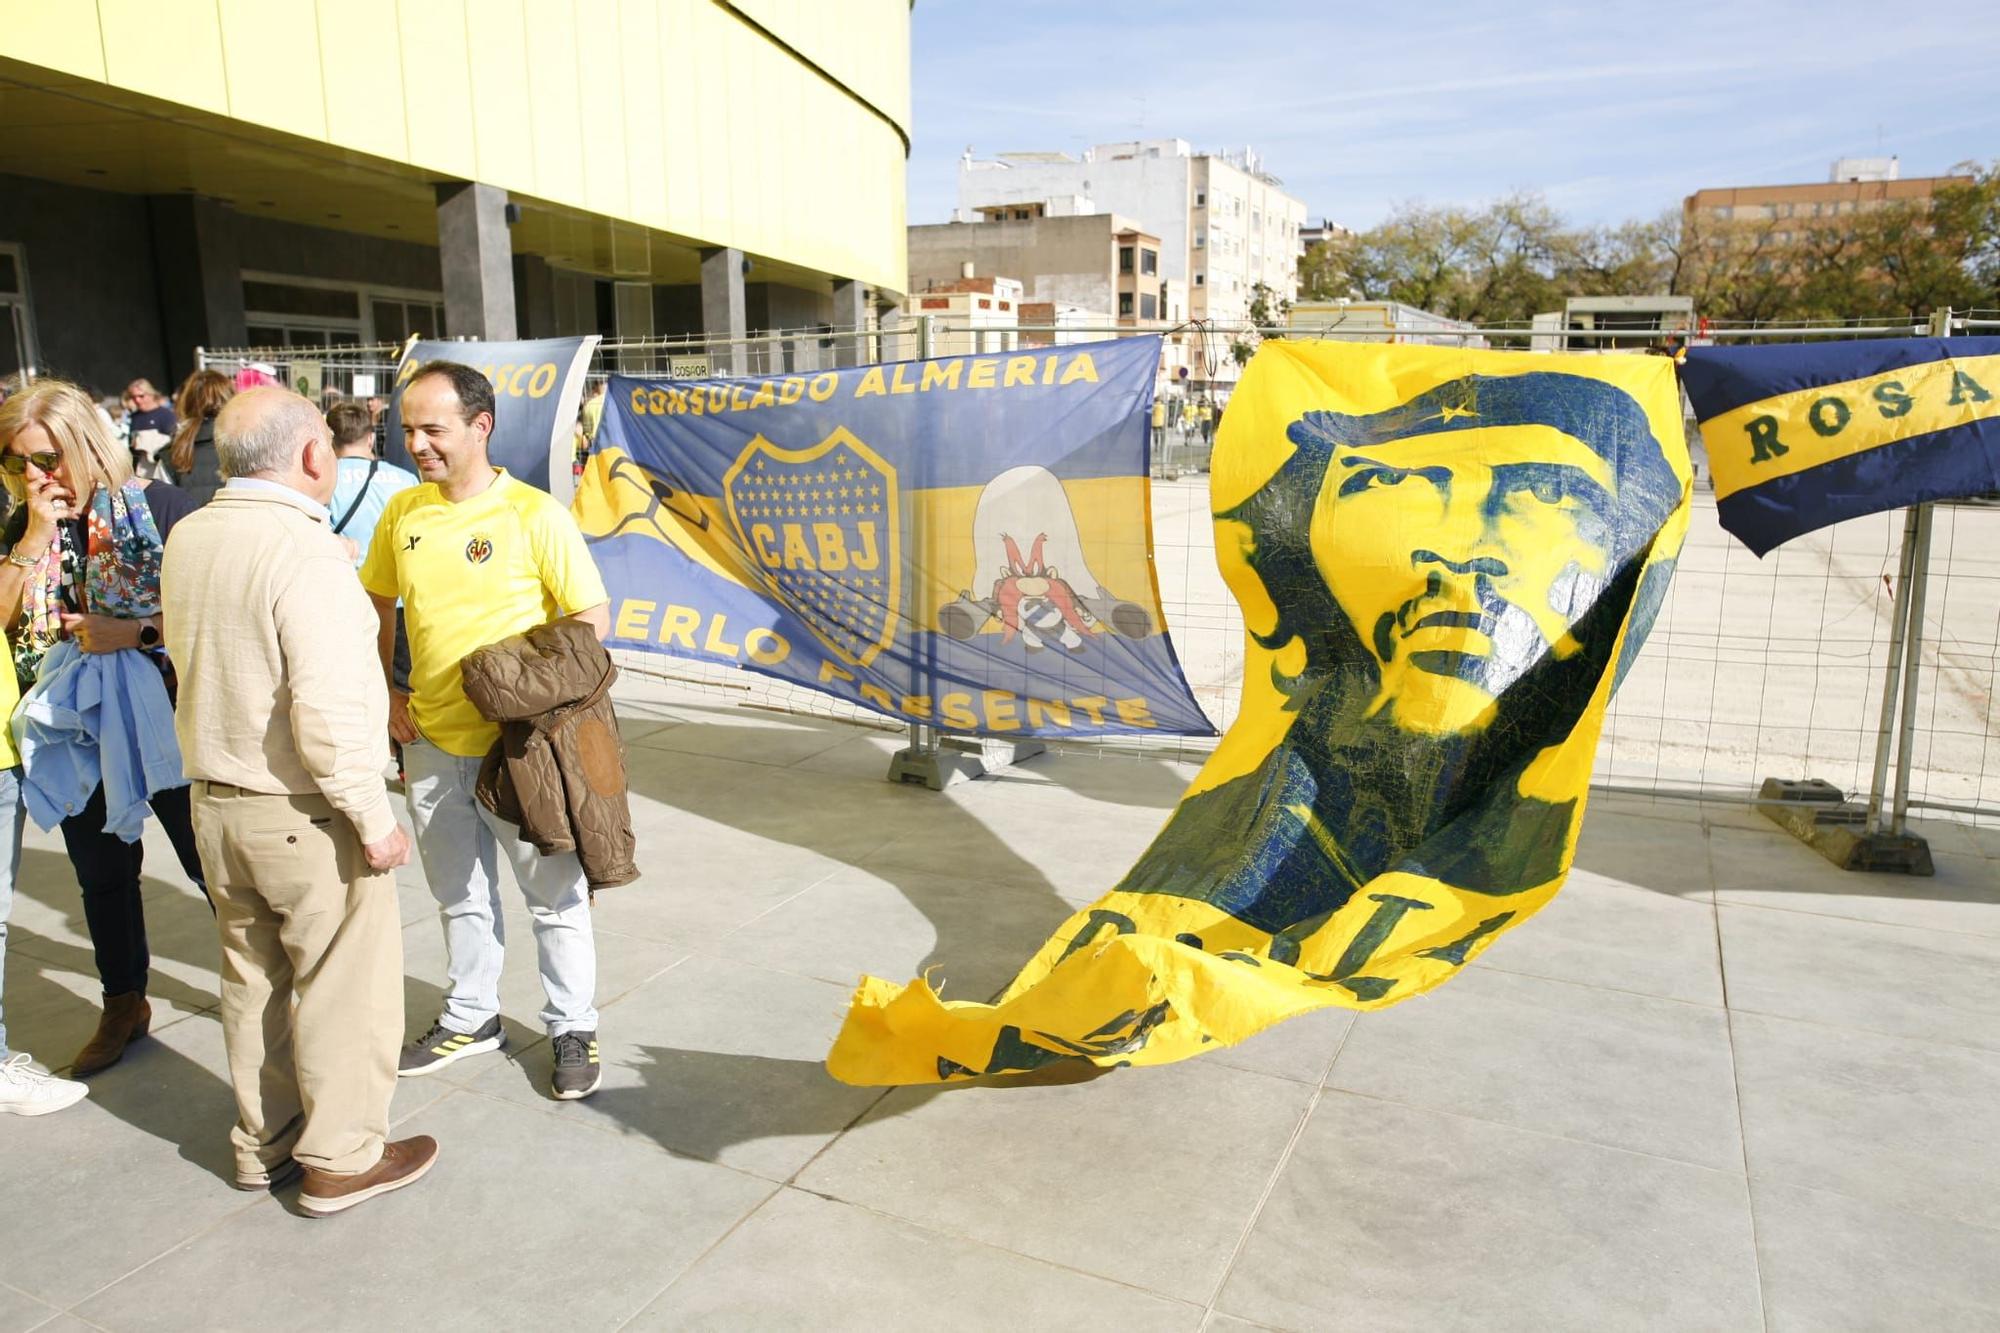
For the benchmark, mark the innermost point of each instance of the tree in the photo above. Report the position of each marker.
(1267, 309)
(1516, 257)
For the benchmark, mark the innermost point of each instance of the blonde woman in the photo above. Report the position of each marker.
(82, 563)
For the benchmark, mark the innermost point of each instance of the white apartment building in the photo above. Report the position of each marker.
(1224, 223)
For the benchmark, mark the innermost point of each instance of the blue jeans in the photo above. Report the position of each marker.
(12, 813)
(459, 841)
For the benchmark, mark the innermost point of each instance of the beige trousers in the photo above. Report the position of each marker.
(302, 918)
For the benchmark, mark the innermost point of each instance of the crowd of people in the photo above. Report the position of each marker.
(245, 646)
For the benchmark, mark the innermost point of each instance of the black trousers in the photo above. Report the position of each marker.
(108, 868)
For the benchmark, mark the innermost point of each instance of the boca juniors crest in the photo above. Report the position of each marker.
(822, 525)
(963, 542)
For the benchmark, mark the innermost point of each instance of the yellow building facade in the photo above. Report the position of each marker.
(597, 152)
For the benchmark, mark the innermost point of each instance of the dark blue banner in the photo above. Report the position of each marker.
(964, 542)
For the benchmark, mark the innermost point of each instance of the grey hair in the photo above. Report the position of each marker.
(261, 430)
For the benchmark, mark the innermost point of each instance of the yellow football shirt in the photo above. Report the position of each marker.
(470, 574)
(10, 699)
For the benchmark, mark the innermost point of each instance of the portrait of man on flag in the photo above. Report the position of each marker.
(1444, 559)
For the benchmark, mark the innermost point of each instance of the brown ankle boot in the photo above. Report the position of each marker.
(126, 1018)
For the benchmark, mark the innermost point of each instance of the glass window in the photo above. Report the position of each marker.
(1124, 259)
(1125, 303)
(282, 298)
(1200, 241)
(1200, 198)
(1200, 279)
(1149, 306)
(1149, 261)
(10, 274)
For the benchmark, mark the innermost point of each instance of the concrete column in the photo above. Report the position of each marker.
(478, 261)
(850, 312)
(723, 311)
(200, 278)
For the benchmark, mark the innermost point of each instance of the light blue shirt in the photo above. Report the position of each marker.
(297, 497)
(353, 473)
(97, 717)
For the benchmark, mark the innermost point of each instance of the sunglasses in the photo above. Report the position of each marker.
(17, 464)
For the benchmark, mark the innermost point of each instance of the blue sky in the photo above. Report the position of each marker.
(1611, 110)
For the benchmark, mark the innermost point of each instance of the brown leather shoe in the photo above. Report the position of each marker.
(126, 1018)
(403, 1163)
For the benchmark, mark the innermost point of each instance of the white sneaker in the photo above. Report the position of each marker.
(25, 1090)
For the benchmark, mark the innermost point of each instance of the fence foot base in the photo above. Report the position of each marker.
(936, 768)
(1813, 812)
(958, 759)
(992, 753)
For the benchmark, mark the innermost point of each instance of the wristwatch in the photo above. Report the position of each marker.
(149, 636)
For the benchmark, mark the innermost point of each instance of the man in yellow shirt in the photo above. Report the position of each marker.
(477, 557)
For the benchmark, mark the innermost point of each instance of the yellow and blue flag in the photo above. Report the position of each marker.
(1446, 559)
(1803, 435)
(964, 542)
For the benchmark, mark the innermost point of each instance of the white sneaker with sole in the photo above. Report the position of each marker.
(25, 1090)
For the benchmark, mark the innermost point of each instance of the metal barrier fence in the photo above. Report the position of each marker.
(1791, 667)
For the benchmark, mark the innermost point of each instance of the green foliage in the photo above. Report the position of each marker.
(1517, 257)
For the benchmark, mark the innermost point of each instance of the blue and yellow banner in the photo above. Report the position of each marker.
(964, 542)
(1803, 435)
(537, 386)
(1446, 559)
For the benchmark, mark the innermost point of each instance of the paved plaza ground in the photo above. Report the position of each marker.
(1716, 1085)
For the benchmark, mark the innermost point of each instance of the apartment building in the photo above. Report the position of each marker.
(1854, 185)
(1224, 224)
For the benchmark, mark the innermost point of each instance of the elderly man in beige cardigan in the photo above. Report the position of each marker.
(283, 726)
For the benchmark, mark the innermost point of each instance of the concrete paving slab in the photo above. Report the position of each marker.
(1601, 931)
(749, 736)
(1147, 1181)
(807, 1263)
(481, 1218)
(20, 1312)
(1077, 850)
(1391, 1216)
(1831, 1262)
(1887, 1120)
(1935, 985)
(123, 1176)
(1300, 1049)
(1662, 855)
(896, 922)
(1557, 1058)
(715, 1060)
(67, 1323)
(1775, 870)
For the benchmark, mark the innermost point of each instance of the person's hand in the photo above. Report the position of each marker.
(388, 853)
(401, 729)
(49, 503)
(101, 634)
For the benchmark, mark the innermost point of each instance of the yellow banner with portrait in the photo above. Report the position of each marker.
(1446, 559)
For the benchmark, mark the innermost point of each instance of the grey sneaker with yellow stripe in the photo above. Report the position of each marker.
(577, 1071)
(441, 1046)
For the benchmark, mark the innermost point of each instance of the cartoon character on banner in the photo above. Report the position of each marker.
(1049, 597)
